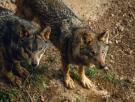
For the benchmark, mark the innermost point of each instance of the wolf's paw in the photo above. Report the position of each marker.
(86, 82)
(13, 79)
(23, 72)
(69, 82)
(16, 82)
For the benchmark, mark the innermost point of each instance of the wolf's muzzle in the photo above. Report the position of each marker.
(104, 66)
(34, 64)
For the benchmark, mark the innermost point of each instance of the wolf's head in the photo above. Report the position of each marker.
(34, 42)
(90, 47)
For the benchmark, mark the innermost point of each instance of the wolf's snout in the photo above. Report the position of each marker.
(35, 60)
(104, 66)
(34, 64)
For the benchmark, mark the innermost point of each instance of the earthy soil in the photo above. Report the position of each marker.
(115, 16)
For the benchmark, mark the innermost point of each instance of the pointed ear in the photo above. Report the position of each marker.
(46, 33)
(104, 37)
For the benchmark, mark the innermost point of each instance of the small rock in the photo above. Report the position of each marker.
(130, 52)
(112, 57)
(42, 99)
(78, 92)
(106, 68)
(132, 80)
(45, 85)
(116, 42)
(121, 28)
(121, 78)
(112, 15)
(110, 42)
(111, 61)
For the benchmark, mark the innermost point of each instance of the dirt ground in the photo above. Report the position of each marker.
(46, 85)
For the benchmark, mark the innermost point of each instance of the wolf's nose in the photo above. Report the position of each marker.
(104, 66)
(34, 64)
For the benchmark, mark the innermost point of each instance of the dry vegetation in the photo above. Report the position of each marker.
(46, 83)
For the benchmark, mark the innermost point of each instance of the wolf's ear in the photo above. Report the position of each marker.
(104, 37)
(46, 33)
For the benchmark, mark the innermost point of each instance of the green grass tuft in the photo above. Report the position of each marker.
(111, 77)
(36, 78)
(77, 100)
(8, 96)
(91, 72)
(75, 75)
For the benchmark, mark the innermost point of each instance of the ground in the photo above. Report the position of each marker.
(45, 84)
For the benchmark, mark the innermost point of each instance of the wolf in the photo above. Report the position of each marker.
(77, 43)
(21, 44)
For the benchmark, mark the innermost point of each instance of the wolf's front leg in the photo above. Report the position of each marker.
(86, 82)
(13, 79)
(9, 75)
(20, 70)
(67, 78)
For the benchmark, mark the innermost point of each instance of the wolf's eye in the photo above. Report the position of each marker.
(103, 51)
(41, 48)
(94, 52)
(89, 42)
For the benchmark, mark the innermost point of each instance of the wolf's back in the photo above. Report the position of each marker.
(50, 10)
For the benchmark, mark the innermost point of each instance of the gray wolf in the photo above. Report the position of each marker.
(20, 42)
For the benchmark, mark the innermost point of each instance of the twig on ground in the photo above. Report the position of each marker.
(31, 99)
